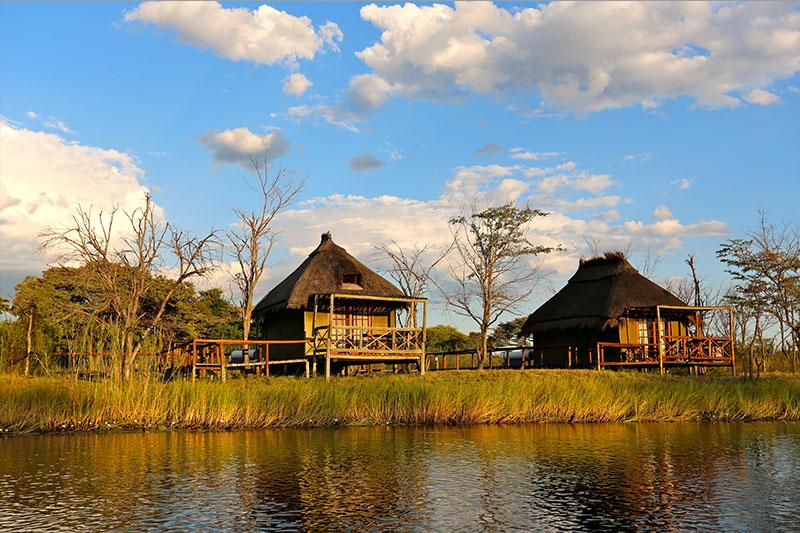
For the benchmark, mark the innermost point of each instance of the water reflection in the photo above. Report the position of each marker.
(613, 477)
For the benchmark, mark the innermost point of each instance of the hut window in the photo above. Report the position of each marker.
(351, 279)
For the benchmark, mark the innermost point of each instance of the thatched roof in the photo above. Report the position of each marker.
(323, 273)
(597, 295)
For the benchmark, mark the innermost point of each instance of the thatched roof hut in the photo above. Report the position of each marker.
(596, 296)
(329, 269)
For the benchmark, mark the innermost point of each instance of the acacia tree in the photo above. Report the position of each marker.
(124, 265)
(487, 270)
(26, 307)
(766, 269)
(255, 235)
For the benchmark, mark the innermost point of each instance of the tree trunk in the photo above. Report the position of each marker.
(29, 344)
(483, 347)
(763, 353)
(752, 344)
(129, 355)
(246, 336)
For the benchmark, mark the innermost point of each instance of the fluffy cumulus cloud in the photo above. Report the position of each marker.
(45, 177)
(363, 162)
(296, 84)
(761, 97)
(662, 213)
(582, 57)
(263, 35)
(238, 145)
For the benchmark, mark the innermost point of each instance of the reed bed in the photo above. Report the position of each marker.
(459, 397)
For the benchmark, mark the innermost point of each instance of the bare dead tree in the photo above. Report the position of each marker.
(125, 266)
(255, 235)
(487, 268)
(411, 269)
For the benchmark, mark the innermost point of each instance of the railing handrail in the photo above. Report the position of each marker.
(692, 337)
(369, 328)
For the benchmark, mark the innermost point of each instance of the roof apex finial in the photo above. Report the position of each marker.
(326, 237)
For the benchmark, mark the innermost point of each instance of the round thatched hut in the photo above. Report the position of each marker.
(606, 301)
(361, 319)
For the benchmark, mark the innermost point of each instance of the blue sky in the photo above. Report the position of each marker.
(657, 128)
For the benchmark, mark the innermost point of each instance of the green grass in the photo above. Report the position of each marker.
(458, 397)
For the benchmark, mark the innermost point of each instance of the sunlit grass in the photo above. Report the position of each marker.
(458, 397)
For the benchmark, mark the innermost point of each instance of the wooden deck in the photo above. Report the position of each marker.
(367, 344)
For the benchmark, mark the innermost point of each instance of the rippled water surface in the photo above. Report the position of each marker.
(620, 477)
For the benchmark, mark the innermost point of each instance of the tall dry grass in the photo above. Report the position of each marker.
(465, 397)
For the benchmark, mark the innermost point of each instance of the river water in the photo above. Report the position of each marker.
(548, 477)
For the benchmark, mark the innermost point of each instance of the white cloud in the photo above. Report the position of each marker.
(519, 154)
(31, 114)
(44, 178)
(761, 97)
(55, 124)
(581, 181)
(662, 213)
(331, 114)
(296, 84)
(263, 35)
(644, 156)
(585, 56)
(237, 145)
(682, 183)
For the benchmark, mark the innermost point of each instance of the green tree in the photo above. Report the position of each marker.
(123, 264)
(487, 268)
(508, 332)
(765, 266)
(447, 339)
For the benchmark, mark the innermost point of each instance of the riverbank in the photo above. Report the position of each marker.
(459, 397)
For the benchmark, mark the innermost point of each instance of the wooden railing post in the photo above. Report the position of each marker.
(266, 362)
(221, 351)
(194, 359)
(330, 341)
(658, 339)
(733, 357)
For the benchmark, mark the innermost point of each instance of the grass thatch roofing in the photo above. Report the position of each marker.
(322, 273)
(597, 295)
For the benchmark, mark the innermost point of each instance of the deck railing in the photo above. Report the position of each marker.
(675, 349)
(368, 340)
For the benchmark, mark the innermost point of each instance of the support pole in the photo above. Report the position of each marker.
(733, 357)
(266, 361)
(314, 337)
(423, 358)
(221, 353)
(194, 359)
(330, 341)
(658, 339)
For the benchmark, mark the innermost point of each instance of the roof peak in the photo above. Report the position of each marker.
(609, 258)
